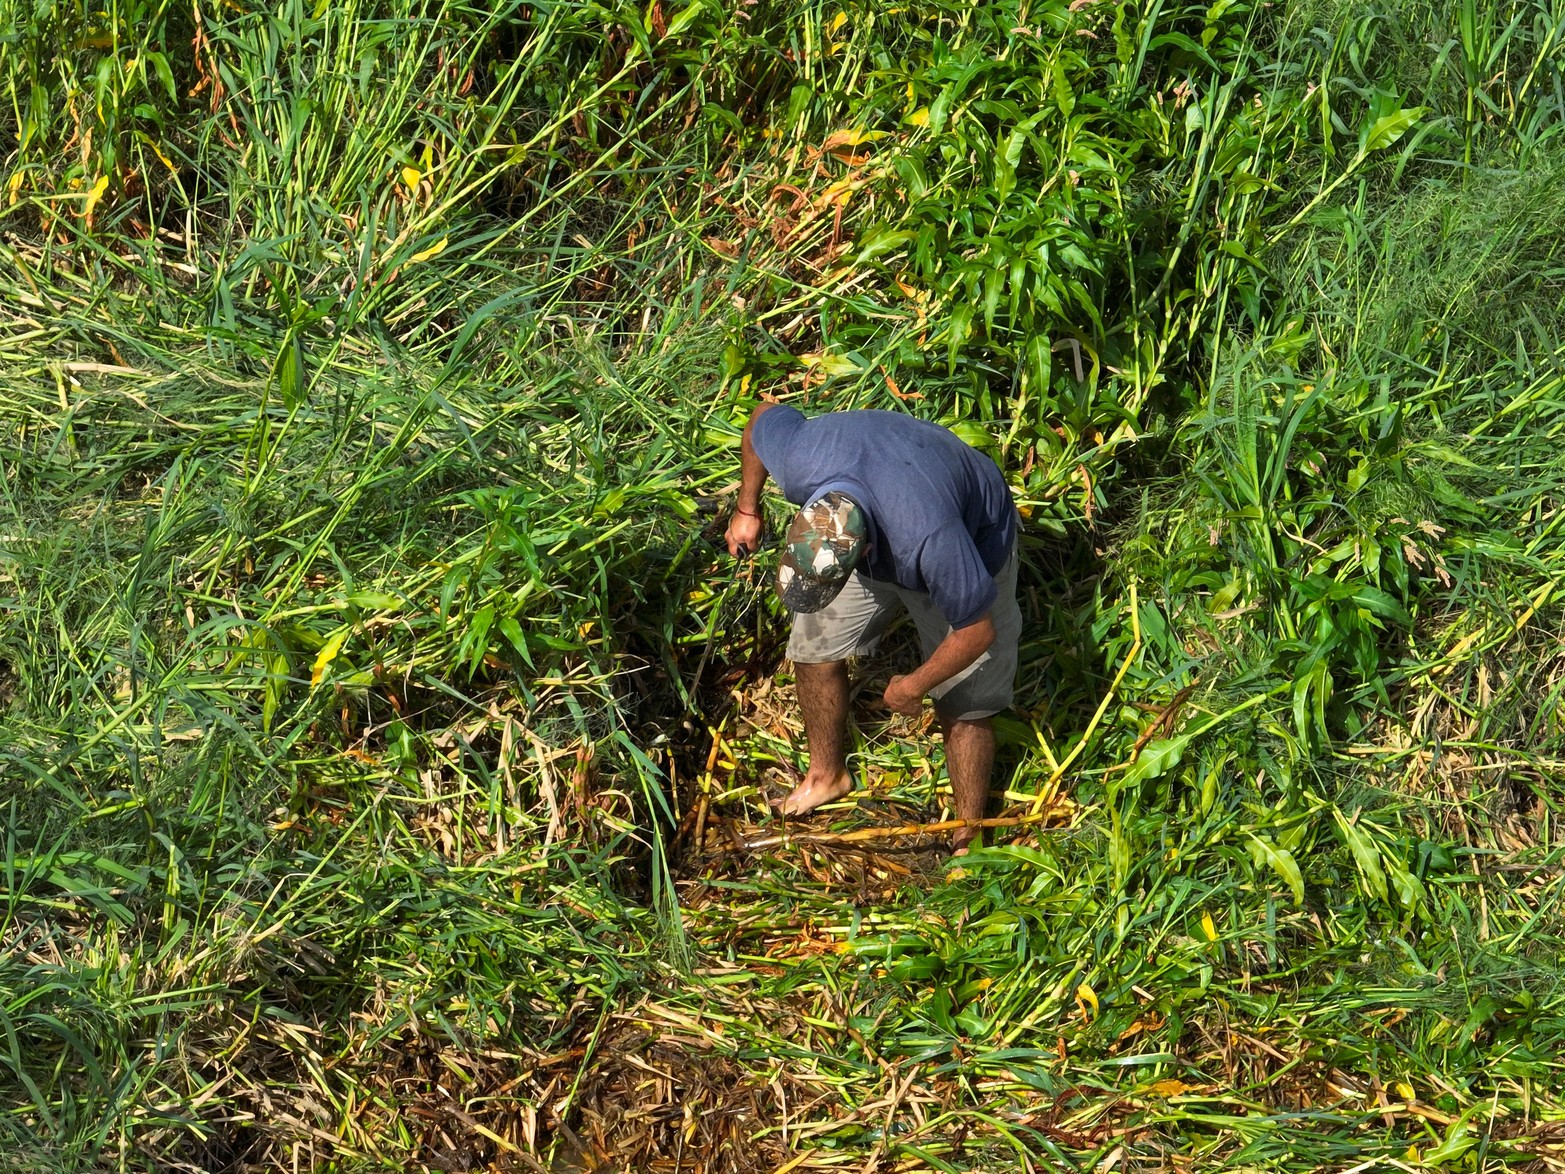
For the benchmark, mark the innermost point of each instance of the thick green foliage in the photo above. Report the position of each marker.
(359, 642)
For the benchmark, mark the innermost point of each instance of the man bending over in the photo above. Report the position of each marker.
(897, 512)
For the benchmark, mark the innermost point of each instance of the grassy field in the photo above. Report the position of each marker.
(385, 743)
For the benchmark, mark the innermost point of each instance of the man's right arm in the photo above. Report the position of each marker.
(744, 528)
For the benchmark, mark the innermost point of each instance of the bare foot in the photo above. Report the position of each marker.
(813, 791)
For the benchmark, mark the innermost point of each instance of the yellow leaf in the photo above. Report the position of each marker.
(851, 137)
(837, 22)
(14, 186)
(1208, 927)
(919, 117)
(433, 250)
(829, 364)
(839, 193)
(1086, 997)
(162, 158)
(95, 195)
(411, 176)
(1405, 1091)
(328, 653)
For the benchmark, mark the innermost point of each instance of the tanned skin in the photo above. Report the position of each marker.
(823, 689)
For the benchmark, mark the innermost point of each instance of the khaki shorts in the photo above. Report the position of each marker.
(852, 624)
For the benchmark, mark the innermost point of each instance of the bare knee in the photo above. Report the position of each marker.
(960, 727)
(825, 681)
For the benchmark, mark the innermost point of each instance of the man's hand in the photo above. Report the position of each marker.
(744, 528)
(959, 649)
(903, 696)
(744, 534)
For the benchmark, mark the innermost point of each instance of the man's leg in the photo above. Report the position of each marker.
(823, 702)
(966, 702)
(819, 647)
(969, 762)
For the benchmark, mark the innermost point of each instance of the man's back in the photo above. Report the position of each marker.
(941, 516)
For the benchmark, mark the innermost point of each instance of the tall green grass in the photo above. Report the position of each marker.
(363, 666)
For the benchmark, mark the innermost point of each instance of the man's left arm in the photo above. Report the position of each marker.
(962, 590)
(960, 648)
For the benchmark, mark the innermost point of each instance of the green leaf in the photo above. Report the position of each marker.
(1040, 367)
(374, 600)
(685, 19)
(476, 319)
(1387, 606)
(972, 434)
(289, 371)
(276, 682)
(479, 635)
(1063, 97)
(512, 631)
(879, 241)
(1458, 1140)
(1390, 127)
(939, 108)
(1365, 853)
(1282, 863)
(1008, 155)
(165, 74)
(1316, 685)
(1006, 159)
(1408, 888)
(1358, 476)
(1157, 758)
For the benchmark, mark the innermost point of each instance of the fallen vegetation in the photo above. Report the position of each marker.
(385, 744)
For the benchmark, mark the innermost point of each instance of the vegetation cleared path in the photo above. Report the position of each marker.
(385, 743)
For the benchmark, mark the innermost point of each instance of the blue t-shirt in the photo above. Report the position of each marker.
(941, 519)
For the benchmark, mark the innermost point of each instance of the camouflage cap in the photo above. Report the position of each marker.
(820, 551)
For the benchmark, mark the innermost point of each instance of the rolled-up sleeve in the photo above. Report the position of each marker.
(959, 584)
(770, 436)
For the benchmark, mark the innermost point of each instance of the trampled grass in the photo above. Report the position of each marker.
(384, 745)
